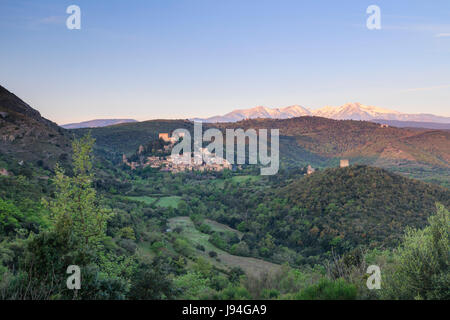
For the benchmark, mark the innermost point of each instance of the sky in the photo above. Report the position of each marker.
(150, 59)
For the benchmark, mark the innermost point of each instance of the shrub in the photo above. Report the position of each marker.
(327, 289)
(182, 247)
(200, 247)
(422, 263)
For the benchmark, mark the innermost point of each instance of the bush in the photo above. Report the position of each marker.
(327, 289)
(200, 247)
(235, 293)
(422, 263)
(240, 249)
(204, 228)
(150, 283)
(157, 246)
(182, 247)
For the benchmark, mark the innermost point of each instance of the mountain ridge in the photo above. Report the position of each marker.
(259, 112)
(27, 136)
(96, 123)
(414, 124)
(348, 111)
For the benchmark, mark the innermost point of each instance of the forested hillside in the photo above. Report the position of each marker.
(348, 138)
(231, 234)
(334, 209)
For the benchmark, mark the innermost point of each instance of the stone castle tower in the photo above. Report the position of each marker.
(344, 163)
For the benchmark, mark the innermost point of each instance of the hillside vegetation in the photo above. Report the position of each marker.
(231, 234)
(334, 209)
(26, 136)
(348, 138)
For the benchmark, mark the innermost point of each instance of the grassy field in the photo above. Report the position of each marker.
(219, 227)
(240, 179)
(249, 265)
(167, 202)
(235, 179)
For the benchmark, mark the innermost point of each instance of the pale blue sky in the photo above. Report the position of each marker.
(147, 59)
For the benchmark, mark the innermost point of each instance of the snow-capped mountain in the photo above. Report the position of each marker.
(358, 111)
(353, 111)
(349, 111)
(259, 112)
(296, 111)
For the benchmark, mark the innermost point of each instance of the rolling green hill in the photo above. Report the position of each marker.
(353, 139)
(332, 209)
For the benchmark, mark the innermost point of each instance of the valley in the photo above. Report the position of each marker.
(224, 158)
(226, 234)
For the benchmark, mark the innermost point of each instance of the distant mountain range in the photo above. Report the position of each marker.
(97, 123)
(26, 136)
(259, 112)
(414, 124)
(349, 111)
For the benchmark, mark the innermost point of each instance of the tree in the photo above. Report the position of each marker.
(422, 262)
(10, 216)
(127, 233)
(150, 282)
(78, 225)
(75, 211)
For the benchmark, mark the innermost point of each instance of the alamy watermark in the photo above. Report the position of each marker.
(213, 154)
(374, 280)
(73, 22)
(74, 280)
(374, 20)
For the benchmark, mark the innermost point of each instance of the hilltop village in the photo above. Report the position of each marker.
(157, 155)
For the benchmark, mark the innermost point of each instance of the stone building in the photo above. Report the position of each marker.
(310, 170)
(344, 163)
(164, 137)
